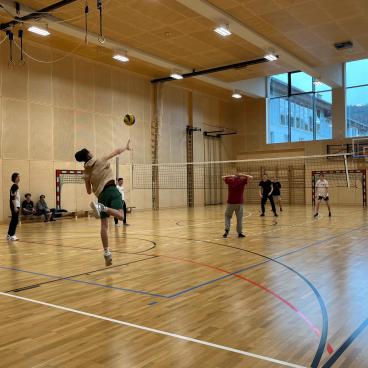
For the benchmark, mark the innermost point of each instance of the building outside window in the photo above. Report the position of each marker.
(298, 109)
(357, 98)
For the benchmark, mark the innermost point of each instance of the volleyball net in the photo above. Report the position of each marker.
(297, 175)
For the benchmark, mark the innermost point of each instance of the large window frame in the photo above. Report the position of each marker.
(314, 91)
(347, 89)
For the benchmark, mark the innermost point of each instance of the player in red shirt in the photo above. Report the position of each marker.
(236, 184)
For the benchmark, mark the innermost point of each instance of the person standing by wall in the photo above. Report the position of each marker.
(14, 202)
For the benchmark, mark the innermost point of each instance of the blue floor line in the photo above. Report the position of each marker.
(85, 282)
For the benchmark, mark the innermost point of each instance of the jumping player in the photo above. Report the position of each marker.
(100, 180)
(322, 194)
(265, 192)
(236, 184)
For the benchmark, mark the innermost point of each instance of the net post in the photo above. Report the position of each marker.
(313, 188)
(155, 127)
(364, 188)
(117, 163)
(346, 170)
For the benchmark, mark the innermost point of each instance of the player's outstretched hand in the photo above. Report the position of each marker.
(128, 148)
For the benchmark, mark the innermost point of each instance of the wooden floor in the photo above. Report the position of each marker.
(179, 295)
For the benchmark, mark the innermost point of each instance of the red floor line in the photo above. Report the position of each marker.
(310, 324)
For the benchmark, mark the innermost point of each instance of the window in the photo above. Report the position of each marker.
(357, 98)
(299, 108)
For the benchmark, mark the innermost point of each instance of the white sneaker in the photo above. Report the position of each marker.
(13, 238)
(97, 209)
(8, 237)
(117, 225)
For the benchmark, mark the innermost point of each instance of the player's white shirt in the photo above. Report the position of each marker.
(322, 188)
(121, 190)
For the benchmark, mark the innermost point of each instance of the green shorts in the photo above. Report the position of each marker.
(110, 197)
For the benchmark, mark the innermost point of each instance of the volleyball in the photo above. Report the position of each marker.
(129, 119)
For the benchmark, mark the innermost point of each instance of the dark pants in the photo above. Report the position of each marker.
(47, 213)
(263, 202)
(124, 214)
(13, 223)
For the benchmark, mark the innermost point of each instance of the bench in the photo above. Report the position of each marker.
(130, 209)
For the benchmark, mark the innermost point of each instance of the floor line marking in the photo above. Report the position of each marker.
(153, 330)
(84, 282)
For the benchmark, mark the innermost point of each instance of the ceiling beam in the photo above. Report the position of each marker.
(218, 16)
(78, 33)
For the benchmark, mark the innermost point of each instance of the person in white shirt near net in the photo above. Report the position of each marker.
(322, 194)
(120, 187)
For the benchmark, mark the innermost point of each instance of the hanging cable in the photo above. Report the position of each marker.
(69, 53)
(101, 37)
(10, 37)
(20, 36)
(86, 11)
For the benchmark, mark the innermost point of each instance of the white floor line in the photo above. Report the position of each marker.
(160, 332)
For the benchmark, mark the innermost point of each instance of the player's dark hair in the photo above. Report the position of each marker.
(27, 194)
(14, 177)
(82, 155)
(120, 179)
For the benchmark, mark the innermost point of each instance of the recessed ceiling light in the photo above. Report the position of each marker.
(223, 30)
(236, 95)
(176, 76)
(38, 30)
(271, 56)
(122, 58)
(317, 82)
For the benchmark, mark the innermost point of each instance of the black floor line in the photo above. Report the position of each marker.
(76, 275)
(333, 359)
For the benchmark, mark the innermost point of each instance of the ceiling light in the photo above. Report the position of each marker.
(121, 57)
(223, 30)
(317, 82)
(236, 95)
(176, 76)
(38, 30)
(270, 56)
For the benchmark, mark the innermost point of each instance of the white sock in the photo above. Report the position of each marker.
(107, 252)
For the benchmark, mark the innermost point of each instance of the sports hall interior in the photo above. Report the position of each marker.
(292, 293)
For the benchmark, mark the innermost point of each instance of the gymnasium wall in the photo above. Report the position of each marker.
(49, 111)
(250, 143)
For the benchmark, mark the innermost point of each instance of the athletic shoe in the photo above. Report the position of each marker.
(8, 237)
(13, 238)
(117, 225)
(97, 209)
(261, 215)
(241, 235)
(108, 259)
(315, 215)
(225, 234)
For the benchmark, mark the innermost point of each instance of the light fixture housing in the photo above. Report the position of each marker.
(176, 76)
(121, 56)
(39, 30)
(236, 95)
(271, 56)
(223, 30)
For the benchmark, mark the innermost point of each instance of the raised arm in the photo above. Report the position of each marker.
(88, 184)
(118, 151)
(228, 176)
(246, 175)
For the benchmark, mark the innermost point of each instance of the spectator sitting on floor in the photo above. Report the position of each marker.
(43, 209)
(27, 205)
